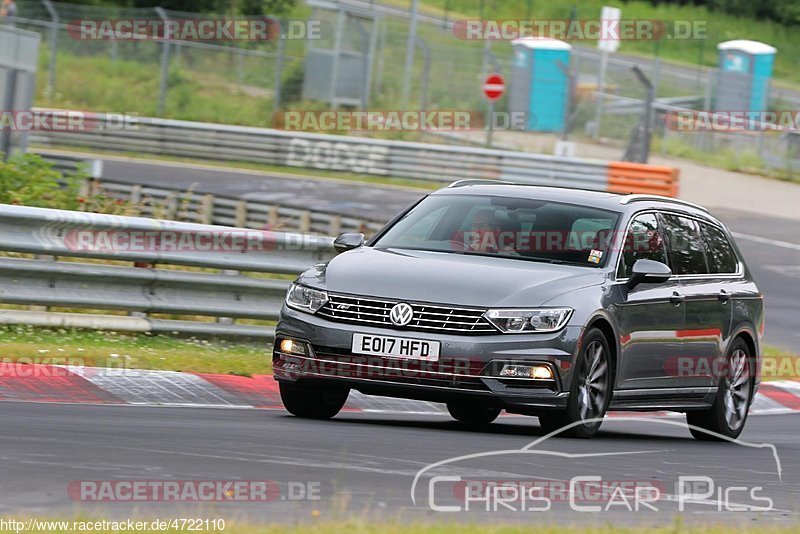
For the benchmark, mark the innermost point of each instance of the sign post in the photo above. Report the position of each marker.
(608, 42)
(493, 88)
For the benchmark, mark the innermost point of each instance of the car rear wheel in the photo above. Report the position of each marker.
(728, 414)
(312, 403)
(590, 391)
(468, 412)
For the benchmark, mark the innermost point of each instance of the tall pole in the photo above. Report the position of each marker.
(647, 123)
(412, 41)
(601, 87)
(51, 71)
(163, 84)
(490, 129)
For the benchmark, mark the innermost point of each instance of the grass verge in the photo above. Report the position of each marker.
(780, 364)
(26, 344)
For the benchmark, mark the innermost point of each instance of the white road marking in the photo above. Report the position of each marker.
(766, 241)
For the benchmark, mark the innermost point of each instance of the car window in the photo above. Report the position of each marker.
(721, 257)
(520, 228)
(643, 241)
(686, 248)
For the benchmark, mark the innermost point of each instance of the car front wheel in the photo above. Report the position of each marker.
(590, 391)
(312, 403)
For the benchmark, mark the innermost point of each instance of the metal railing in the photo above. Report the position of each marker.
(387, 158)
(196, 206)
(169, 276)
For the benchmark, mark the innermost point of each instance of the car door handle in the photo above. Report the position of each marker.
(723, 296)
(676, 298)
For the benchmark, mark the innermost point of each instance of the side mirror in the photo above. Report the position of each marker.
(648, 272)
(347, 242)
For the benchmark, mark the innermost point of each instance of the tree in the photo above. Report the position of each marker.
(278, 7)
(252, 8)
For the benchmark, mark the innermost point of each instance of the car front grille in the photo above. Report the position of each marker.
(427, 317)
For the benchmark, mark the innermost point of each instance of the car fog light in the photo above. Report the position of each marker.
(290, 346)
(536, 372)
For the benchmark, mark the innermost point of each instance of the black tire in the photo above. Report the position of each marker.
(598, 365)
(312, 403)
(469, 412)
(728, 415)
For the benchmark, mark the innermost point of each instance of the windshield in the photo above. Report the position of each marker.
(524, 229)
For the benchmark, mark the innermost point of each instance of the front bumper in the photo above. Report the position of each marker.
(467, 368)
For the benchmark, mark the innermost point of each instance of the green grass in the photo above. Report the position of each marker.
(719, 26)
(26, 344)
(130, 86)
(742, 160)
(780, 364)
(159, 352)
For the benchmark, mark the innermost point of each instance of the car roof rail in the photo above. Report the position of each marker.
(475, 181)
(627, 199)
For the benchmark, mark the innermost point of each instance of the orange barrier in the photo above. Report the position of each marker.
(624, 177)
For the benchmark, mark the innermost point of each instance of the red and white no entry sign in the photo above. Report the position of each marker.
(494, 86)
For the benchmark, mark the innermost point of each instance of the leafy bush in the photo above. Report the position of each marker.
(29, 180)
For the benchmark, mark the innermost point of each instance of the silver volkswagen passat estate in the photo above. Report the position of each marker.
(556, 303)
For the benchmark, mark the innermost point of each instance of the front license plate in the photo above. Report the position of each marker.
(396, 347)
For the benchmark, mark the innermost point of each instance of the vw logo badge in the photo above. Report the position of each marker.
(401, 314)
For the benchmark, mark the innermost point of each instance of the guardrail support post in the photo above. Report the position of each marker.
(305, 222)
(336, 225)
(43, 257)
(227, 320)
(170, 207)
(272, 218)
(241, 214)
(136, 195)
(207, 209)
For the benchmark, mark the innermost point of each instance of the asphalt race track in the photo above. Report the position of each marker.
(365, 464)
(775, 265)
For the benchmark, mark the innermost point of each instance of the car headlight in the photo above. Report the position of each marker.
(514, 321)
(305, 298)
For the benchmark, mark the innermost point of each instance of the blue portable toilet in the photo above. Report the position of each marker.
(538, 86)
(745, 71)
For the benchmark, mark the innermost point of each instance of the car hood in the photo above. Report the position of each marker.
(448, 278)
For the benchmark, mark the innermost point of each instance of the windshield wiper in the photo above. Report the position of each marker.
(552, 261)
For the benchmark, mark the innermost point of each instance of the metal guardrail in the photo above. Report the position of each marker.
(153, 283)
(214, 209)
(193, 206)
(399, 159)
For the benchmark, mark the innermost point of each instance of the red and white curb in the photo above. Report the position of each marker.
(93, 385)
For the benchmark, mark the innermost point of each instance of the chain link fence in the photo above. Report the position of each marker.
(245, 82)
(171, 78)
